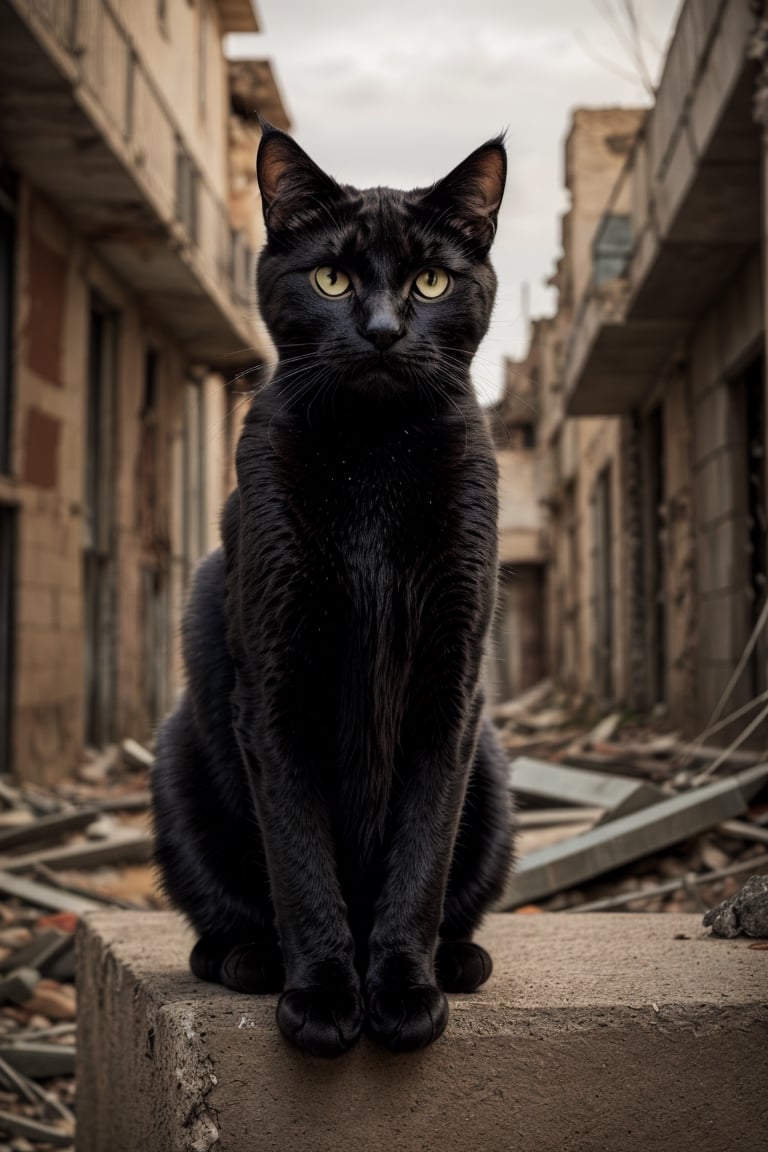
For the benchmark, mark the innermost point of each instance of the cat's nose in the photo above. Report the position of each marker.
(382, 326)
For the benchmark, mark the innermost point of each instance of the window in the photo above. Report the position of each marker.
(7, 541)
(7, 262)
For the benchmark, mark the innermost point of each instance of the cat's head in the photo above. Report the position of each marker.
(382, 289)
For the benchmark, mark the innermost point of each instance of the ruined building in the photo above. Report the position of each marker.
(128, 225)
(651, 389)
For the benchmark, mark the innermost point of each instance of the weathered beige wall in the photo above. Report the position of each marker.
(520, 522)
(48, 466)
(172, 51)
(729, 336)
(574, 451)
(595, 150)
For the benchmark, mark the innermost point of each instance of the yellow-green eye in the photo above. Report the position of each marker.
(432, 282)
(330, 281)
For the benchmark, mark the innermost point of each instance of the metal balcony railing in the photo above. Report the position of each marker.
(113, 72)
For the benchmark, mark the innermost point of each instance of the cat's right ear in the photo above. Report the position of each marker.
(290, 182)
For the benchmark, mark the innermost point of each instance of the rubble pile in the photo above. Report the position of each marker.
(84, 845)
(619, 814)
(613, 814)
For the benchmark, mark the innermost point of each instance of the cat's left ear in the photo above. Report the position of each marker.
(469, 196)
(289, 180)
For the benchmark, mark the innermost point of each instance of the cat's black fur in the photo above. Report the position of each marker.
(331, 810)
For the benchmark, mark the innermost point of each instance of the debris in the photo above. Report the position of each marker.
(54, 1000)
(550, 718)
(551, 817)
(49, 877)
(98, 769)
(532, 698)
(622, 898)
(32, 1058)
(125, 802)
(39, 952)
(630, 837)
(47, 827)
(125, 846)
(64, 921)
(604, 731)
(18, 985)
(136, 755)
(617, 795)
(744, 830)
(25, 1126)
(745, 912)
(43, 895)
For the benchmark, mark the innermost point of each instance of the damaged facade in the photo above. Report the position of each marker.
(128, 224)
(651, 391)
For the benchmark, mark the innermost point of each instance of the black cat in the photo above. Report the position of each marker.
(331, 810)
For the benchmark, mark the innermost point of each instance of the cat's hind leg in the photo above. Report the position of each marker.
(479, 868)
(209, 852)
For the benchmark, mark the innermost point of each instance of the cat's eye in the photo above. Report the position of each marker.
(330, 281)
(432, 282)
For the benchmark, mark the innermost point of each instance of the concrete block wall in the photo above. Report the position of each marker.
(730, 334)
(595, 1032)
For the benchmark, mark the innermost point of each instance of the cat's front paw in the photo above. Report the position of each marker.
(321, 1021)
(404, 1018)
(462, 965)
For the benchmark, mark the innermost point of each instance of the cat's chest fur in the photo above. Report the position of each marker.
(375, 506)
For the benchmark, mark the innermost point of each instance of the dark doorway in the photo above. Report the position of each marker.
(754, 495)
(99, 525)
(7, 264)
(602, 587)
(656, 537)
(7, 576)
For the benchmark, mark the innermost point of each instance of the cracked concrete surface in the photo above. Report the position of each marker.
(596, 1032)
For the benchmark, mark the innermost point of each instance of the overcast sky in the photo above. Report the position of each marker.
(398, 92)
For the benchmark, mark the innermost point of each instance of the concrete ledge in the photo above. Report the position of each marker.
(597, 1033)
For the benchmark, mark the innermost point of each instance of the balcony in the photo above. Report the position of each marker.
(82, 118)
(690, 194)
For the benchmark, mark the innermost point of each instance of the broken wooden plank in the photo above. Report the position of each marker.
(552, 817)
(41, 950)
(47, 827)
(744, 830)
(618, 795)
(38, 1059)
(34, 1129)
(604, 731)
(128, 802)
(699, 878)
(18, 985)
(136, 754)
(43, 896)
(630, 837)
(48, 876)
(630, 767)
(709, 752)
(127, 847)
(531, 698)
